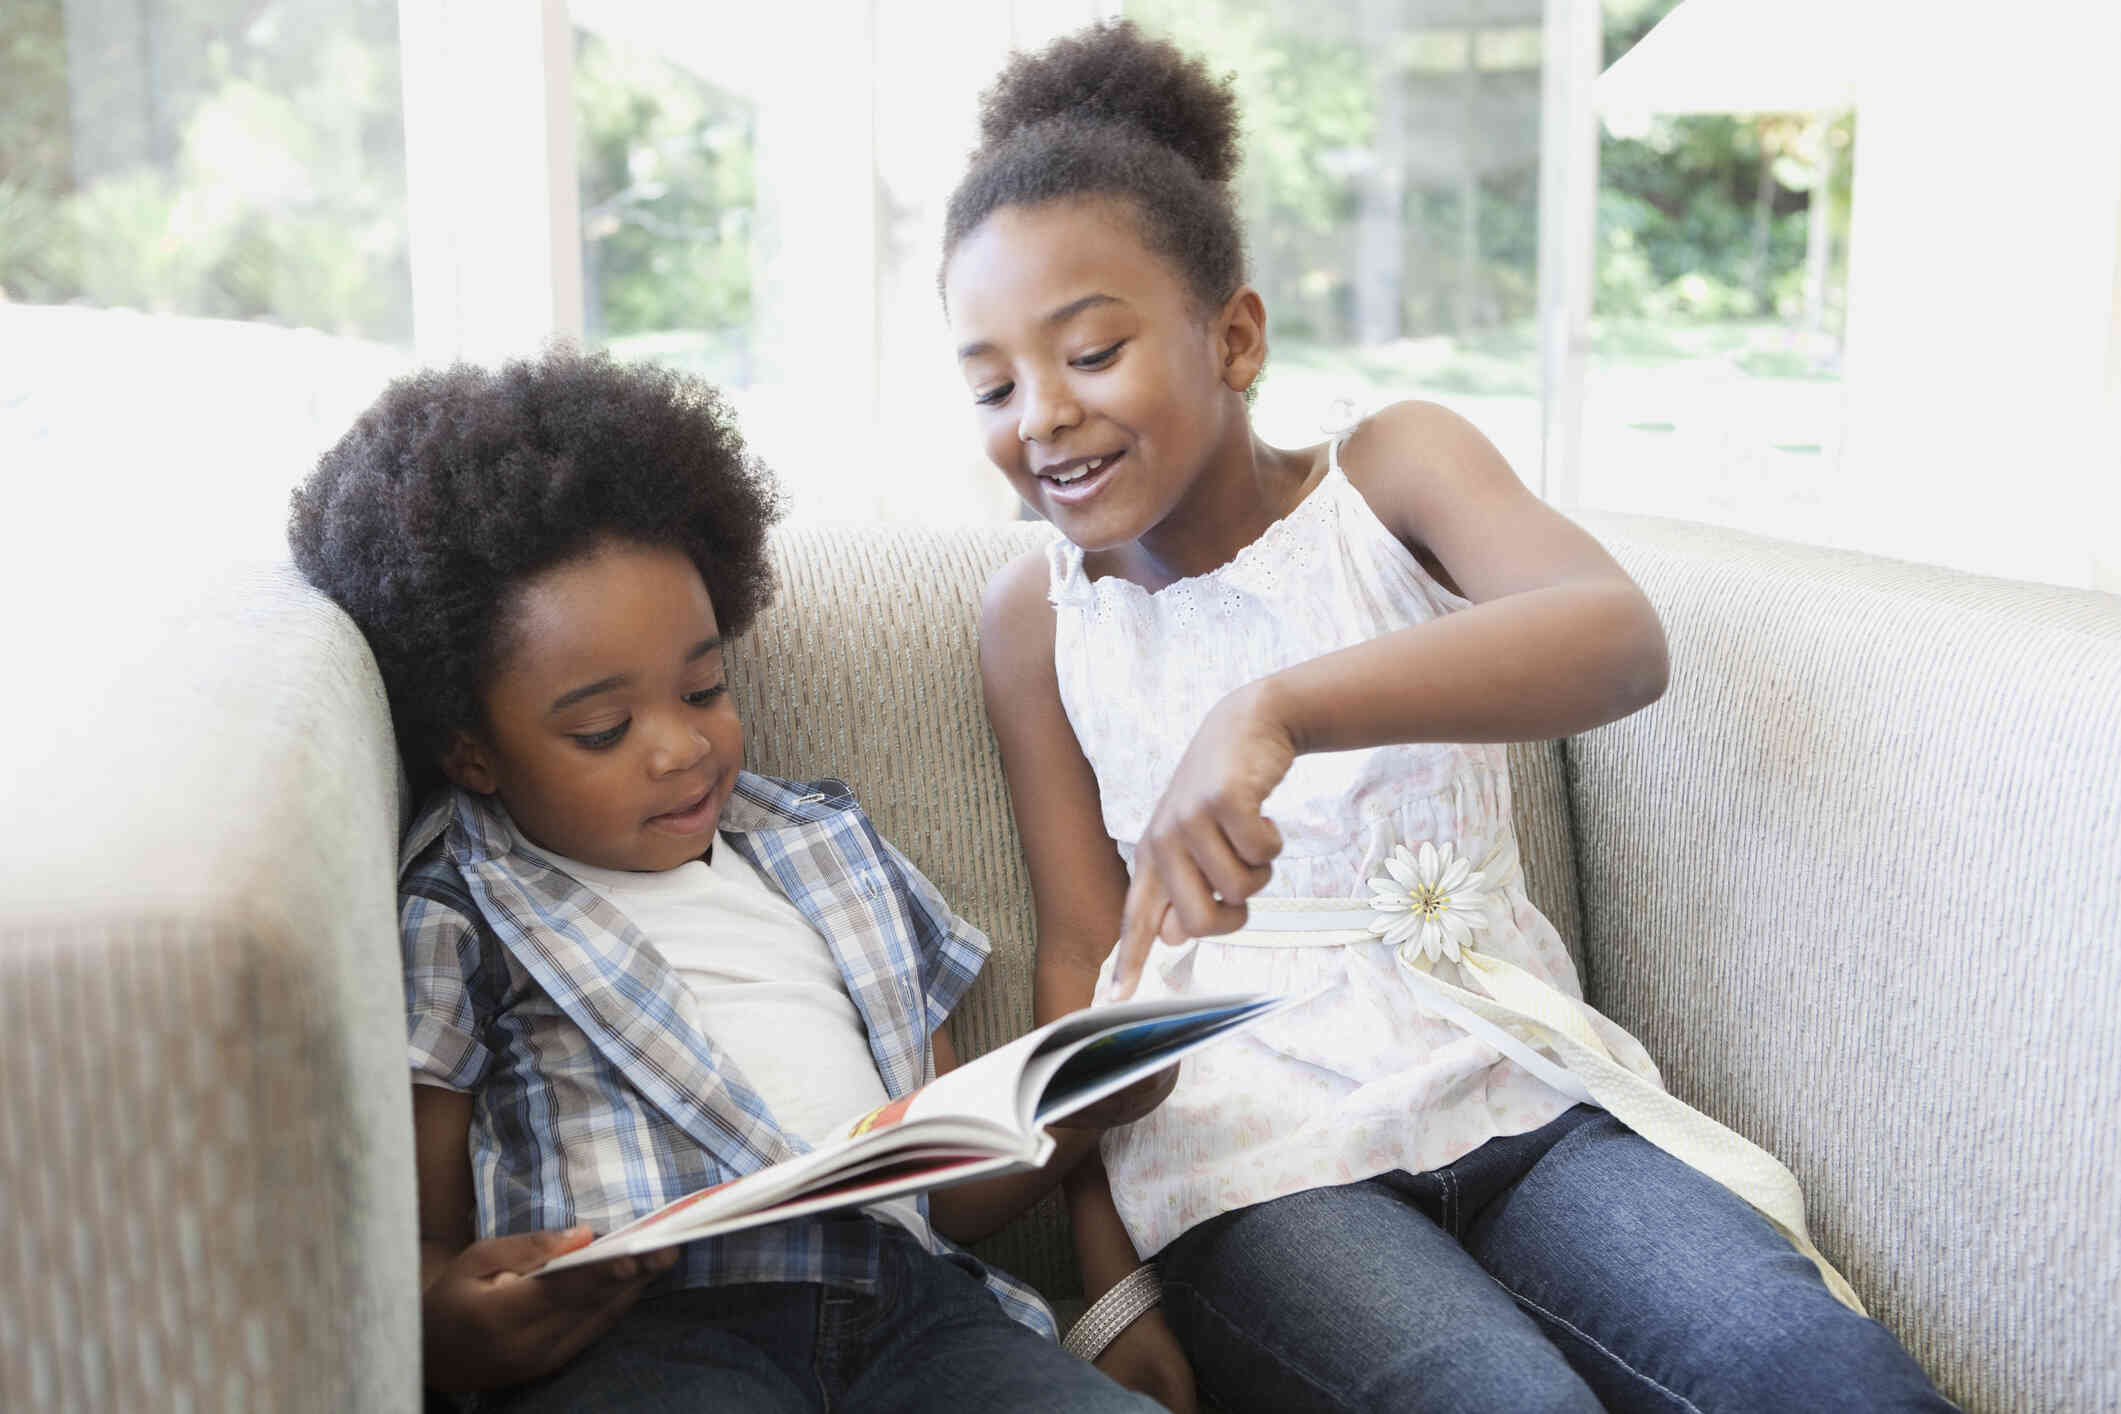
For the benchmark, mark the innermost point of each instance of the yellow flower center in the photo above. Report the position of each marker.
(1429, 902)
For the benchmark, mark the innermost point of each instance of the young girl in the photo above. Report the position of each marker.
(1284, 676)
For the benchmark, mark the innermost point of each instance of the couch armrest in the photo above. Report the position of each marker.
(207, 1173)
(1856, 883)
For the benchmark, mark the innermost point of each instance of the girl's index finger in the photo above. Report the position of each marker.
(1140, 918)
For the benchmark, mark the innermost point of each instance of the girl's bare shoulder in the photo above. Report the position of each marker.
(1414, 450)
(1430, 476)
(1016, 621)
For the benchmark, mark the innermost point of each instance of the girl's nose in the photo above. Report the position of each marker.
(1047, 409)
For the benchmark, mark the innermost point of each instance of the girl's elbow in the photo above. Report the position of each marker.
(1638, 667)
(1649, 668)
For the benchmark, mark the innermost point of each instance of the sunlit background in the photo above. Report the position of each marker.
(1843, 273)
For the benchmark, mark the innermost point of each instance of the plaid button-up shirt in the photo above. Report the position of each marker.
(598, 1097)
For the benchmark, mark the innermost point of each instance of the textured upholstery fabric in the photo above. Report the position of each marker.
(205, 1132)
(1856, 883)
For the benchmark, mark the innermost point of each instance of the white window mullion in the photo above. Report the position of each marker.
(1568, 222)
(492, 192)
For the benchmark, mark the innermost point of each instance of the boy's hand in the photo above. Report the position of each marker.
(1146, 1358)
(486, 1322)
(1124, 1106)
(1207, 848)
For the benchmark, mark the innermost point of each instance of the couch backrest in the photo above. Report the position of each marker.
(867, 668)
(1856, 883)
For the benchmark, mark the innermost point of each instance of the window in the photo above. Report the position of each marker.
(1840, 301)
(1390, 194)
(762, 196)
(1874, 315)
(203, 265)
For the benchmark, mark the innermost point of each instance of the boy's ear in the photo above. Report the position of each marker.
(468, 763)
(1244, 338)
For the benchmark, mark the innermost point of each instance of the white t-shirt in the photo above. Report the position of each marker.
(766, 988)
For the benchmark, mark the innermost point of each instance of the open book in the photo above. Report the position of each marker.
(987, 1116)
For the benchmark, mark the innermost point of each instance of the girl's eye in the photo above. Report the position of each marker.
(1102, 357)
(996, 396)
(706, 695)
(598, 741)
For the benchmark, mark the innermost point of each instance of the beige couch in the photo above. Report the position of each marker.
(1855, 881)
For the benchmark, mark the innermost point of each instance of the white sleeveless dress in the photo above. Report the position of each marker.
(1364, 1079)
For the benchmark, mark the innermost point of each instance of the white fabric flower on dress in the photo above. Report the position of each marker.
(1430, 905)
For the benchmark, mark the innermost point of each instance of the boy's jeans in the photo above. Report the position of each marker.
(930, 1338)
(1572, 1268)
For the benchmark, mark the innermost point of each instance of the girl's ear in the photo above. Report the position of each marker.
(1243, 327)
(468, 763)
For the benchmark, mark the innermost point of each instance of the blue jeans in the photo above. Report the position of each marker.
(929, 1338)
(1576, 1267)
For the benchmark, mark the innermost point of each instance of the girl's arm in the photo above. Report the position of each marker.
(1078, 883)
(1558, 640)
(485, 1322)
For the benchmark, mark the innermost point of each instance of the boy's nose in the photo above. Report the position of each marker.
(679, 749)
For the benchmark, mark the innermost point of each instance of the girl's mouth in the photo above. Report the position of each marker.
(1081, 481)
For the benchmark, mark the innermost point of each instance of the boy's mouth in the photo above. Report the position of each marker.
(687, 819)
(1078, 478)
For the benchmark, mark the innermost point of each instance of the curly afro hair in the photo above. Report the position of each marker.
(1111, 112)
(459, 484)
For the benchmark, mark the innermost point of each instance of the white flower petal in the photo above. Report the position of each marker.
(1401, 868)
(1455, 874)
(1429, 864)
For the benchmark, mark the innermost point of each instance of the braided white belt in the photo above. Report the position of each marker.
(1521, 1015)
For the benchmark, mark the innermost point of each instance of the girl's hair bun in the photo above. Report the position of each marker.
(1114, 73)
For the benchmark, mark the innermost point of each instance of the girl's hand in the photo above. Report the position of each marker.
(1124, 1106)
(1207, 848)
(487, 1322)
(1146, 1358)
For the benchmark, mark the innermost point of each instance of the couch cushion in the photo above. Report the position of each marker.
(1855, 882)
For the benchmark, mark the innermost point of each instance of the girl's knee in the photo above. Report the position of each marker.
(1484, 1370)
(1824, 1355)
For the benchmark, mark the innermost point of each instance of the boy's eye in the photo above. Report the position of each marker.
(597, 741)
(706, 694)
(1101, 357)
(995, 396)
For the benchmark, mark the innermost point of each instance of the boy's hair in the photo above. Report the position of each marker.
(1111, 112)
(459, 484)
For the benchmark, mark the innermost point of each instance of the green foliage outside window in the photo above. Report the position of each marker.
(255, 170)
(224, 158)
(669, 181)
